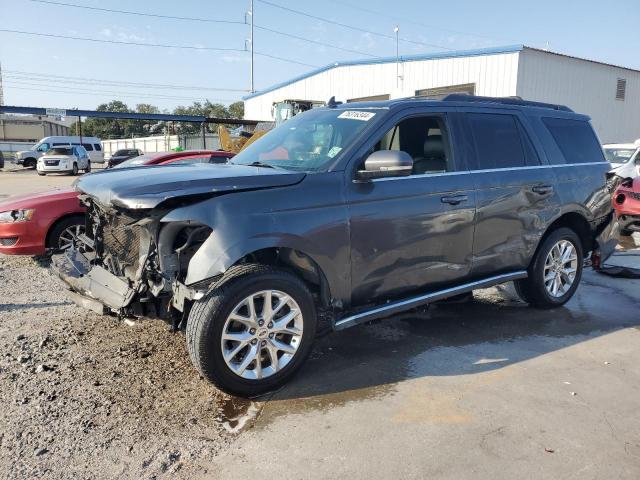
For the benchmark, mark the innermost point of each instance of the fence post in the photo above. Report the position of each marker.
(204, 137)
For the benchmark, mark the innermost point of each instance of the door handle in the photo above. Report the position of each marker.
(542, 189)
(454, 199)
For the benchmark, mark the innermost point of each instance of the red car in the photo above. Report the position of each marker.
(626, 201)
(32, 224)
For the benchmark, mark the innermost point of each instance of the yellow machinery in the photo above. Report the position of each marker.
(236, 144)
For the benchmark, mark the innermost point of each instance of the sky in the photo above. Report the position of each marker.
(64, 73)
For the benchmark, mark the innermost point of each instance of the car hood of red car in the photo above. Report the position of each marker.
(32, 200)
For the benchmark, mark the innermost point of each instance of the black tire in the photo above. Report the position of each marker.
(74, 169)
(53, 237)
(29, 163)
(532, 289)
(88, 169)
(208, 315)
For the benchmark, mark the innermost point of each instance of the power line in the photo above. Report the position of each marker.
(119, 42)
(408, 20)
(155, 15)
(160, 45)
(351, 27)
(22, 75)
(82, 91)
(316, 42)
(141, 14)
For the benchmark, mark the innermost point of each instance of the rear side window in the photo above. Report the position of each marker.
(98, 147)
(497, 141)
(87, 147)
(575, 139)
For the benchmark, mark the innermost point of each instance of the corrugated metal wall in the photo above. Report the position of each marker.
(586, 87)
(493, 74)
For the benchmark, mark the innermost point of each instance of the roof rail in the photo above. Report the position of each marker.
(461, 97)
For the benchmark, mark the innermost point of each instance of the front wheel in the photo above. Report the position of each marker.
(253, 331)
(74, 169)
(555, 271)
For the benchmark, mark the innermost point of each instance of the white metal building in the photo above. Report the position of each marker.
(609, 94)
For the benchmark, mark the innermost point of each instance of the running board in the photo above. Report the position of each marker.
(402, 305)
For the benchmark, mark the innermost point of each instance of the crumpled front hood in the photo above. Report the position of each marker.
(147, 187)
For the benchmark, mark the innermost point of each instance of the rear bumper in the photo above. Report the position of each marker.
(91, 286)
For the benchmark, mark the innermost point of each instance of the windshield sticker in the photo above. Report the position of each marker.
(357, 115)
(333, 152)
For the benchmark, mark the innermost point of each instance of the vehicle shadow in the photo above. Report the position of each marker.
(492, 331)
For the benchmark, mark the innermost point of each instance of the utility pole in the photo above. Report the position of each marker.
(250, 13)
(1, 92)
(397, 30)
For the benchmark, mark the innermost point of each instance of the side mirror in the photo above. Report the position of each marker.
(386, 163)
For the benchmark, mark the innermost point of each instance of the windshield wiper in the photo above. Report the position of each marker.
(260, 164)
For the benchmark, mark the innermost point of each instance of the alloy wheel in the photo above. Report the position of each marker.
(69, 236)
(560, 268)
(262, 334)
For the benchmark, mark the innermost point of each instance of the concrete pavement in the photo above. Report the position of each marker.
(488, 389)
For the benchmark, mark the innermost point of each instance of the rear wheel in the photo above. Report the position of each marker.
(88, 169)
(555, 272)
(251, 333)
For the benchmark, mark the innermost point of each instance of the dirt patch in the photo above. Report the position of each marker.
(87, 396)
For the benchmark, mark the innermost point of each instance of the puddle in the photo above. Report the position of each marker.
(235, 413)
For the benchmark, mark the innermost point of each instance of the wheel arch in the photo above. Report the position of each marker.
(576, 222)
(297, 261)
(58, 221)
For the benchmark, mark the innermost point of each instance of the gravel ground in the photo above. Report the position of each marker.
(86, 396)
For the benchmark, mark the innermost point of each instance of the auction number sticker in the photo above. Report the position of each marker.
(357, 115)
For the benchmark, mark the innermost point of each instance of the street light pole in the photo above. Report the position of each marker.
(396, 30)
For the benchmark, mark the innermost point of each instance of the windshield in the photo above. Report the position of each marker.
(308, 142)
(60, 151)
(619, 155)
(40, 147)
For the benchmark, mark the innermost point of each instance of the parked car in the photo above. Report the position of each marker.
(185, 156)
(626, 201)
(35, 223)
(121, 155)
(29, 158)
(69, 160)
(624, 158)
(360, 211)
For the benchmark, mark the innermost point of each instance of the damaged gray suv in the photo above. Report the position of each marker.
(354, 211)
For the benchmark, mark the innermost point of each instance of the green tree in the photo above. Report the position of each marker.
(236, 110)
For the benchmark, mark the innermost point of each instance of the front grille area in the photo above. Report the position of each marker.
(52, 163)
(122, 241)
(117, 241)
(8, 241)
